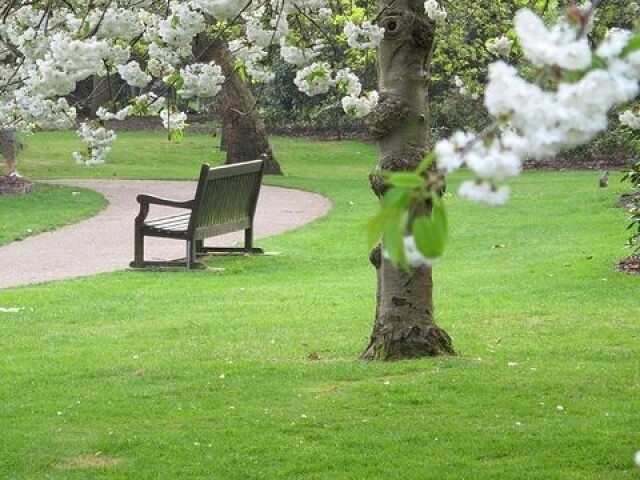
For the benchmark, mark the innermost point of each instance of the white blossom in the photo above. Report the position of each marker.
(450, 152)
(360, 106)
(116, 23)
(435, 11)
(221, 9)
(413, 256)
(180, 28)
(201, 80)
(613, 43)
(133, 74)
(314, 79)
(103, 114)
(347, 79)
(364, 36)
(98, 141)
(559, 45)
(484, 192)
(263, 36)
(300, 56)
(630, 119)
(500, 47)
(173, 121)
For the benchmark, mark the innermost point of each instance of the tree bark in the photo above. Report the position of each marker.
(243, 130)
(9, 149)
(404, 325)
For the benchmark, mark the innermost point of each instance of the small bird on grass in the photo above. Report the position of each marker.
(604, 179)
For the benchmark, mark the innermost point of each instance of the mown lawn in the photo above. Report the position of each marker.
(212, 375)
(46, 208)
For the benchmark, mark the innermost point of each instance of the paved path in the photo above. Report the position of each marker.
(104, 243)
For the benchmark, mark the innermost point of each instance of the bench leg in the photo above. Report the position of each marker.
(138, 250)
(191, 253)
(200, 246)
(248, 239)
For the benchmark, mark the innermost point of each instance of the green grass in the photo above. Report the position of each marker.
(49, 207)
(207, 375)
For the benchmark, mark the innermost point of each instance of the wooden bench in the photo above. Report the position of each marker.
(225, 201)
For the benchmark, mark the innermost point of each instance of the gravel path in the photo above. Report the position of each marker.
(104, 243)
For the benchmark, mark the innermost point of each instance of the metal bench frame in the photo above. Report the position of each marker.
(225, 201)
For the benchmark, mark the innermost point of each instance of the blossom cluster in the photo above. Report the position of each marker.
(435, 11)
(534, 122)
(364, 36)
(201, 80)
(98, 140)
(500, 46)
(173, 121)
(630, 119)
(318, 78)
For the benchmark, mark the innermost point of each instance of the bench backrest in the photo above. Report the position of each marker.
(226, 198)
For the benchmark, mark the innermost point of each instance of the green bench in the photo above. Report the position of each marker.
(225, 201)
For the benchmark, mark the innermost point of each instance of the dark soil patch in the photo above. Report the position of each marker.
(15, 186)
(313, 133)
(629, 200)
(615, 159)
(630, 264)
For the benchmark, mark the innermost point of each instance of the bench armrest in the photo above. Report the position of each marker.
(149, 199)
(146, 200)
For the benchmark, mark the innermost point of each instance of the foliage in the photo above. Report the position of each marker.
(450, 111)
(283, 105)
(632, 177)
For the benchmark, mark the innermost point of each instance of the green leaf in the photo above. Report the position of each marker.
(176, 80)
(406, 180)
(426, 163)
(439, 216)
(376, 227)
(241, 69)
(431, 233)
(393, 238)
(396, 198)
(632, 46)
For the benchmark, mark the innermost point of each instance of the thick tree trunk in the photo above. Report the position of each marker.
(223, 132)
(404, 325)
(243, 130)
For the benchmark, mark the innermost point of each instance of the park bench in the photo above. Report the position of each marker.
(225, 201)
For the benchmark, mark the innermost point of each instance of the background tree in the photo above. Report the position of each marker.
(9, 150)
(244, 133)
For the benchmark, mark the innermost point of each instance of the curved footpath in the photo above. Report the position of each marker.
(104, 243)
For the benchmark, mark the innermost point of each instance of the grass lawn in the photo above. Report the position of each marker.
(213, 375)
(50, 206)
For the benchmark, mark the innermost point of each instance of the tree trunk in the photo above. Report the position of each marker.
(9, 147)
(243, 129)
(105, 90)
(224, 135)
(404, 325)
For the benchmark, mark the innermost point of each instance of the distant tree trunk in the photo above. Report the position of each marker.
(404, 324)
(223, 129)
(104, 90)
(9, 149)
(243, 129)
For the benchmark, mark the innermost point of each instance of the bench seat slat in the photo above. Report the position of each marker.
(170, 223)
